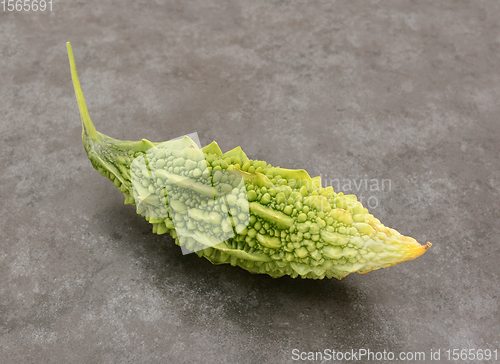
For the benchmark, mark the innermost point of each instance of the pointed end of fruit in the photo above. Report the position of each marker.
(417, 251)
(87, 126)
(406, 249)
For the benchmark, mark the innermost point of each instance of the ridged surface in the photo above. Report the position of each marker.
(284, 215)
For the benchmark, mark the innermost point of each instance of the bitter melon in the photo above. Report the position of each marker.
(231, 209)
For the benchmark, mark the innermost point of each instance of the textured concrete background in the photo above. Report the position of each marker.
(398, 90)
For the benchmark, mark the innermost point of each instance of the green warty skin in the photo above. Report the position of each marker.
(231, 209)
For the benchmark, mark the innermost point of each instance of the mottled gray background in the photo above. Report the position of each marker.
(406, 91)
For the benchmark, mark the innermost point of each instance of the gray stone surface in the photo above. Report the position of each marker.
(403, 91)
